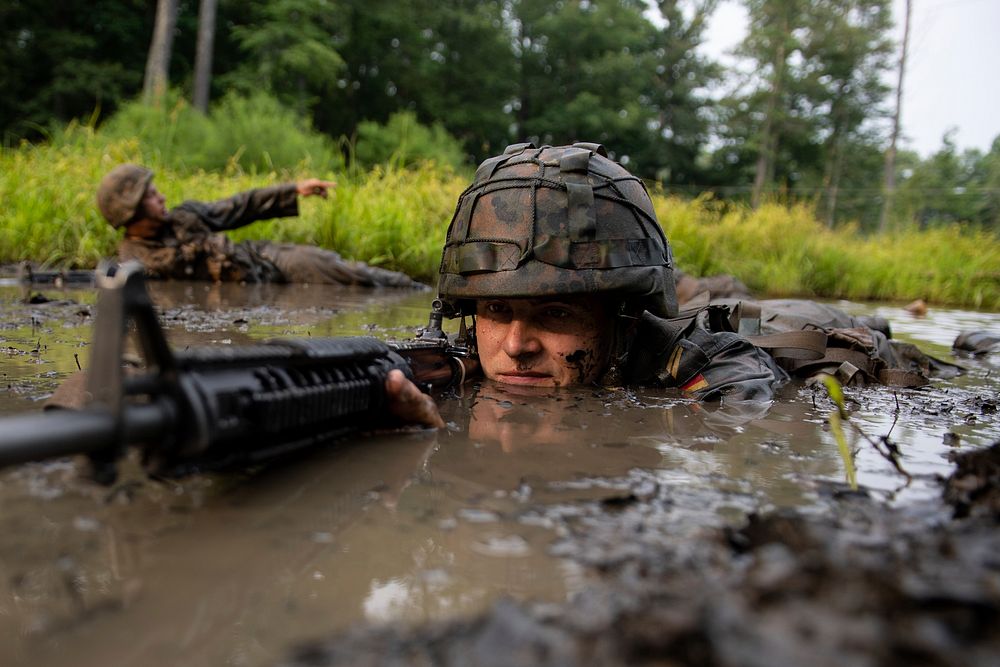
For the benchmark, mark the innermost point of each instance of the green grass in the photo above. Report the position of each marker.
(781, 250)
(397, 217)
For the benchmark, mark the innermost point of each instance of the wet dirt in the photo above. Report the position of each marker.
(575, 527)
(853, 582)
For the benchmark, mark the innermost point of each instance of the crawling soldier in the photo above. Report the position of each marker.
(183, 243)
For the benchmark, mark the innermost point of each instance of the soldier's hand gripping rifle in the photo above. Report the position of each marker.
(220, 407)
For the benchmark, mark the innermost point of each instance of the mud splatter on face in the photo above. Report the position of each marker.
(583, 364)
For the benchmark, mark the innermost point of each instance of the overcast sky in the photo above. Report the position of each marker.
(952, 77)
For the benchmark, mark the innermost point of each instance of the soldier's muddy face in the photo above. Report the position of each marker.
(151, 214)
(544, 342)
(153, 204)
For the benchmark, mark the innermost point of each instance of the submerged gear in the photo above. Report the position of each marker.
(858, 349)
(555, 221)
(976, 342)
(121, 191)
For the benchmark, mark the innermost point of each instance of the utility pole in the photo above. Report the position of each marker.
(889, 187)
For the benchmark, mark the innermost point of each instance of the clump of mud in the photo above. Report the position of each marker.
(974, 488)
(856, 582)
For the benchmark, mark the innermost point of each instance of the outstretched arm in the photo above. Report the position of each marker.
(314, 186)
(277, 201)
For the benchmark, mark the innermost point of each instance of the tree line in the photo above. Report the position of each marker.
(806, 114)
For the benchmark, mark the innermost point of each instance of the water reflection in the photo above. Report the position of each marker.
(537, 437)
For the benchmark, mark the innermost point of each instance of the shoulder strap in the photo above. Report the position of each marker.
(804, 345)
(744, 319)
(696, 303)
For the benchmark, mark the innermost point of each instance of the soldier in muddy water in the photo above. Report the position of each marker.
(183, 243)
(557, 256)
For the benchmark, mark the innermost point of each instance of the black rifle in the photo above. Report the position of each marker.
(29, 275)
(213, 408)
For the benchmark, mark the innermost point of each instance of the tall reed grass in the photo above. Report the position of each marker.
(396, 218)
(783, 250)
(252, 134)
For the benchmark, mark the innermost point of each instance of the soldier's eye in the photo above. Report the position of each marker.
(556, 313)
(496, 308)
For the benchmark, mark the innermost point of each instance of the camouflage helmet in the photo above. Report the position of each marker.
(554, 221)
(120, 192)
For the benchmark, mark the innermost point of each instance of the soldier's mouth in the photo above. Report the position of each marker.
(524, 377)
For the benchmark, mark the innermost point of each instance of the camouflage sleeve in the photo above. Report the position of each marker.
(709, 366)
(278, 201)
(724, 366)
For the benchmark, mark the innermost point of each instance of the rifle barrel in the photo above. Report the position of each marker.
(57, 433)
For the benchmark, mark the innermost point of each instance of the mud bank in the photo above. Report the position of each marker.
(852, 581)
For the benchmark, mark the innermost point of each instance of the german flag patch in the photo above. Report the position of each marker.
(696, 383)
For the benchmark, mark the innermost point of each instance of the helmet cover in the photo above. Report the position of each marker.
(121, 191)
(554, 221)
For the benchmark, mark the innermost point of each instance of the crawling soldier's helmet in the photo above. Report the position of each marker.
(555, 221)
(121, 191)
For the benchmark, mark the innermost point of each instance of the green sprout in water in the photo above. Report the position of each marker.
(837, 417)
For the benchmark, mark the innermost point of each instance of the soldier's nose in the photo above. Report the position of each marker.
(520, 339)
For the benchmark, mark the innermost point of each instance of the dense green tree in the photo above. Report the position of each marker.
(802, 117)
(772, 43)
(987, 175)
(601, 71)
(679, 81)
(845, 58)
(951, 186)
(804, 121)
(381, 44)
(64, 60)
(466, 77)
(858, 190)
(589, 82)
(288, 50)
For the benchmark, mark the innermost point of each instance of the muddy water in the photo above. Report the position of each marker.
(235, 569)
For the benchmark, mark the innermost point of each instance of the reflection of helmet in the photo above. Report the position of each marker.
(120, 192)
(556, 221)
